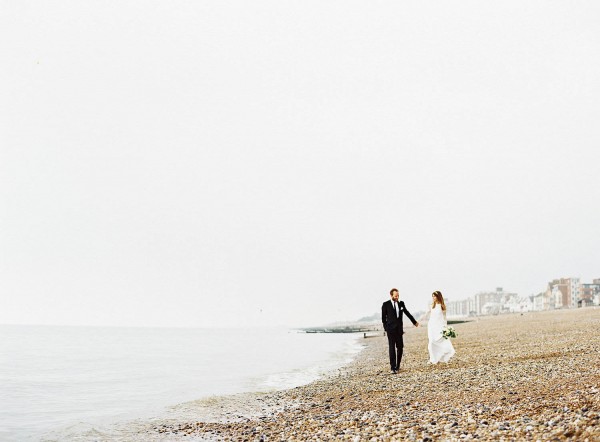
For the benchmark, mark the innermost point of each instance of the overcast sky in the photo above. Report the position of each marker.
(233, 163)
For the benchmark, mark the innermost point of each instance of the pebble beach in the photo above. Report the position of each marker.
(532, 376)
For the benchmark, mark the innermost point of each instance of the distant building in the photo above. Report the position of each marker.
(589, 294)
(516, 304)
(458, 308)
(488, 303)
(560, 293)
(565, 292)
(574, 288)
(543, 301)
(462, 308)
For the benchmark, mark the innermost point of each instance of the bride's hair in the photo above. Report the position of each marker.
(439, 299)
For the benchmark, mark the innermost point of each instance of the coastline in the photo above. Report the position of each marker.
(534, 376)
(183, 377)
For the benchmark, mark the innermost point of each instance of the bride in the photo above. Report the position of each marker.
(440, 348)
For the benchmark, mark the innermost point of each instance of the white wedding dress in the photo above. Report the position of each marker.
(440, 348)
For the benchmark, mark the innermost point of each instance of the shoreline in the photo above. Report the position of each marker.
(242, 398)
(534, 376)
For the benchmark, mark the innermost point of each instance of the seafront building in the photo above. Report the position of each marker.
(488, 303)
(560, 293)
(589, 294)
(565, 292)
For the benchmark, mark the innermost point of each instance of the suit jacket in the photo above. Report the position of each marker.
(388, 316)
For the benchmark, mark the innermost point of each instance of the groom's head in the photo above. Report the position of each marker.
(394, 294)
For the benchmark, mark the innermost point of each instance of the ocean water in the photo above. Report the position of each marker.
(54, 380)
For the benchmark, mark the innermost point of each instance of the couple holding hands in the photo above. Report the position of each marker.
(440, 348)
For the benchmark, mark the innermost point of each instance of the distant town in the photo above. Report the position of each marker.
(559, 294)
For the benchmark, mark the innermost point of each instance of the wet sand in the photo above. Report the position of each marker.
(534, 376)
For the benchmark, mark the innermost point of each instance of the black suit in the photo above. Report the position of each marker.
(392, 324)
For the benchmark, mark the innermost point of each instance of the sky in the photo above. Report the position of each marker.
(233, 163)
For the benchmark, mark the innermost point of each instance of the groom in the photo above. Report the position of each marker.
(391, 316)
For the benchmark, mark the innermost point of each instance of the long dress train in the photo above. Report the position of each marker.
(440, 348)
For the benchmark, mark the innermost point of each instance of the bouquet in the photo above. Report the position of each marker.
(448, 332)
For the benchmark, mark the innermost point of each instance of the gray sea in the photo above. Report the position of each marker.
(62, 383)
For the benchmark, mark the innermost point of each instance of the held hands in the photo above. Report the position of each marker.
(417, 324)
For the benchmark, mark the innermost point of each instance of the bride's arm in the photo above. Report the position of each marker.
(425, 315)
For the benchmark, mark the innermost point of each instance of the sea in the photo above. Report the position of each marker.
(79, 383)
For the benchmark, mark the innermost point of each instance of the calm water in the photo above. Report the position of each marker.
(53, 378)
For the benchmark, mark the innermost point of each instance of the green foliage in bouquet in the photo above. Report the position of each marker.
(449, 332)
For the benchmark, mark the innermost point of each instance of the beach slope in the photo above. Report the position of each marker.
(534, 376)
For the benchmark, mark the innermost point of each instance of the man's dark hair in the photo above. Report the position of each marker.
(392, 291)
